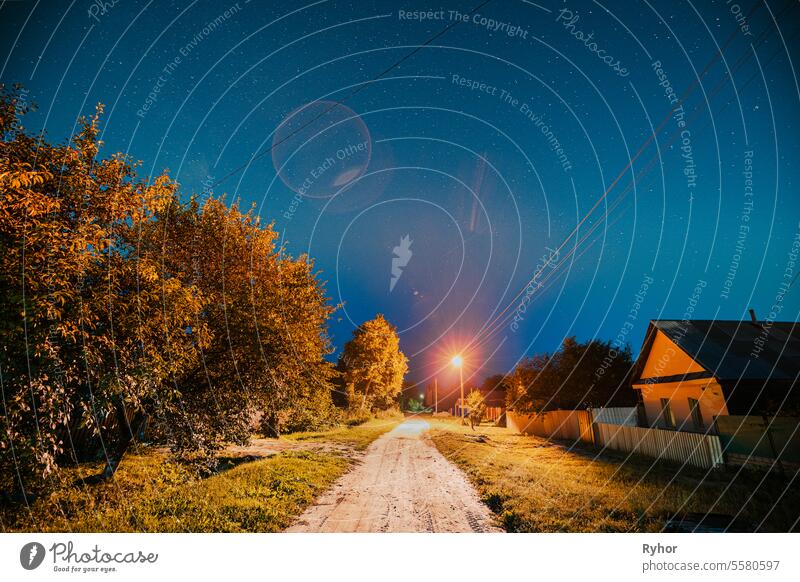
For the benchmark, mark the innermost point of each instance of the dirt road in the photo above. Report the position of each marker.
(403, 484)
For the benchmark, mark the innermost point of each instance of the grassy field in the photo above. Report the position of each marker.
(537, 486)
(150, 493)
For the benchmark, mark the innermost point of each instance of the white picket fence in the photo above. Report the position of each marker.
(699, 450)
(624, 415)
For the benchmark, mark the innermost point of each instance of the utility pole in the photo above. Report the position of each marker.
(461, 376)
(436, 395)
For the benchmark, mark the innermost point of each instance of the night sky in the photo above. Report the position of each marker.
(472, 161)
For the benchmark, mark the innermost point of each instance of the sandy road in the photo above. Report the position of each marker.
(403, 484)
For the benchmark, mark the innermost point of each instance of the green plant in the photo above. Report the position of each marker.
(477, 408)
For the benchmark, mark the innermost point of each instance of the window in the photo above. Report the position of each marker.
(666, 412)
(697, 415)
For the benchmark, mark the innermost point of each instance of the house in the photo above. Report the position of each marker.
(692, 371)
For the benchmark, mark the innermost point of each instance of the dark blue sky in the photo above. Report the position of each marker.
(487, 147)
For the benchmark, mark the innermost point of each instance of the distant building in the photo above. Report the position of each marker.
(494, 396)
(690, 372)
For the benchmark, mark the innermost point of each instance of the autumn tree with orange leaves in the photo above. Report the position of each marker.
(122, 306)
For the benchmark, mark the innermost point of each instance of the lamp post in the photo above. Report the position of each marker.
(458, 362)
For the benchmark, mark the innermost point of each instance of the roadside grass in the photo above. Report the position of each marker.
(538, 486)
(358, 437)
(151, 493)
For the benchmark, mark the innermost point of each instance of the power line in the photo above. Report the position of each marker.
(499, 321)
(350, 95)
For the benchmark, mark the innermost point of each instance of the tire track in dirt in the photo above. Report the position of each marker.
(402, 484)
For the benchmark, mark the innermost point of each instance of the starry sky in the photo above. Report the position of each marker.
(631, 161)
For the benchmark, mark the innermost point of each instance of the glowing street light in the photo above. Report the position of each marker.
(458, 362)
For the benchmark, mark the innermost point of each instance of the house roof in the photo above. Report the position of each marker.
(733, 350)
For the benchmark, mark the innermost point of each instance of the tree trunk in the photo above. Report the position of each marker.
(126, 434)
(270, 425)
(366, 391)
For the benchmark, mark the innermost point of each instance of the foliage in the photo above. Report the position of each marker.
(412, 397)
(372, 366)
(91, 328)
(477, 408)
(495, 387)
(122, 307)
(416, 406)
(579, 375)
(266, 314)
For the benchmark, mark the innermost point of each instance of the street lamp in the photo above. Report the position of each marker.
(458, 362)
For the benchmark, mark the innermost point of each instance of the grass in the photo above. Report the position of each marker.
(358, 437)
(538, 486)
(150, 493)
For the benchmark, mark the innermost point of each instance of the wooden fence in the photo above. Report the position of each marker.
(619, 433)
(574, 425)
(493, 413)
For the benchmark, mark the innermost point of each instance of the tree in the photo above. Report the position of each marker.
(579, 375)
(91, 332)
(372, 366)
(412, 397)
(267, 319)
(121, 306)
(477, 408)
(495, 387)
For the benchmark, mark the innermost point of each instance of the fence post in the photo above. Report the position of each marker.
(767, 425)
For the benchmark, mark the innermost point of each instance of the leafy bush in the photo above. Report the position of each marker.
(477, 408)
(124, 304)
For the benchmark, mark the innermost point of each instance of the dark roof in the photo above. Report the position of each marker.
(734, 350)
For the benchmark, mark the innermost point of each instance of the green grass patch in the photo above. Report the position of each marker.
(536, 486)
(358, 437)
(151, 493)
